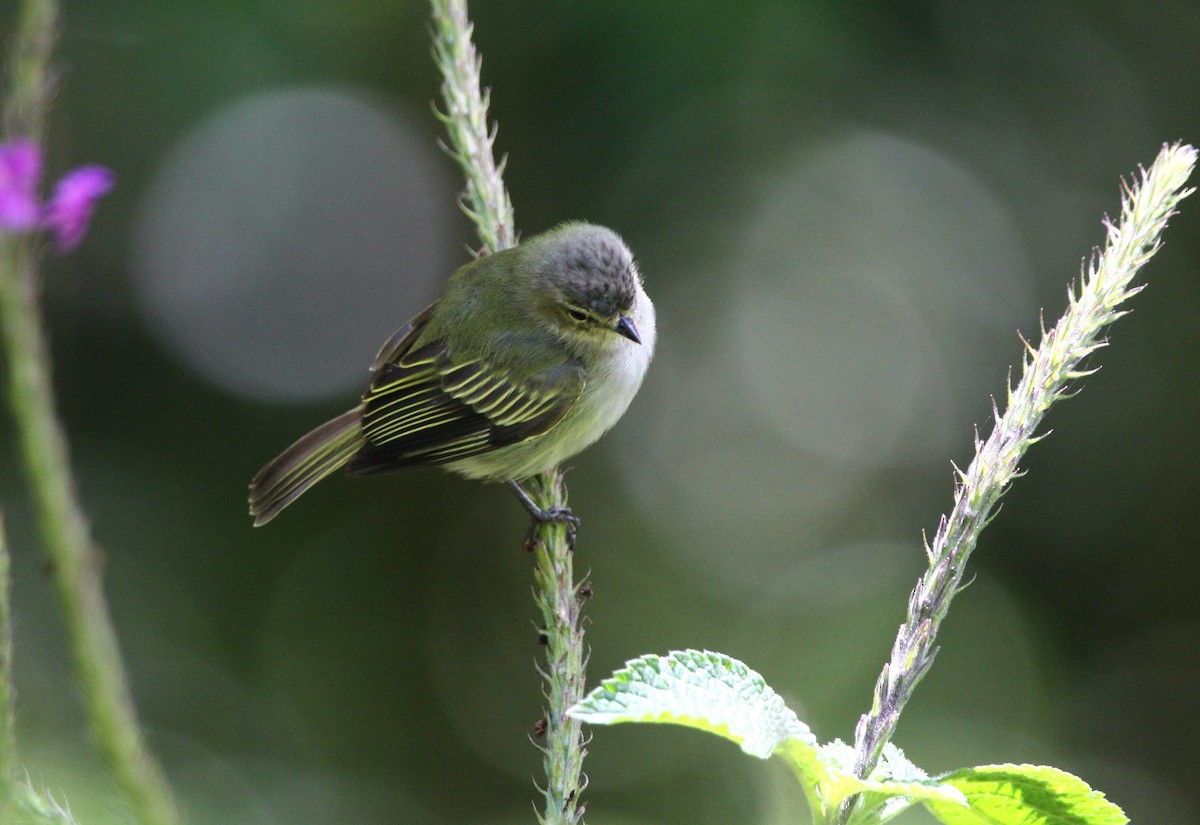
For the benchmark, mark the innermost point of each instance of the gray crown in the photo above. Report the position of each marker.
(595, 269)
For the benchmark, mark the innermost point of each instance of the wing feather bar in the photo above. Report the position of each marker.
(425, 410)
(421, 413)
(533, 408)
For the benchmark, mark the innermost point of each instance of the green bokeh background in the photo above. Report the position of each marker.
(844, 213)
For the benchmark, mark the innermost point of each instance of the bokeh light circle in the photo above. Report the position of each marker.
(283, 239)
(875, 278)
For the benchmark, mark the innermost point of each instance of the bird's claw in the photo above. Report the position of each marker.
(549, 515)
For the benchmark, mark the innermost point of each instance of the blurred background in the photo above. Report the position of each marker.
(844, 213)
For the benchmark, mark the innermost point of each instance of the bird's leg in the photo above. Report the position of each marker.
(561, 515)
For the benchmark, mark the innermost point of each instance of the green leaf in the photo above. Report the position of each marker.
(702, 690)
(715, 693)
(1025, 794)
(895, 784)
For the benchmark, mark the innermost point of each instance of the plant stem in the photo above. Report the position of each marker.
(43, 446)
(486, 202)
(561, 603)
(31, 82)
(75, 559)
(8, 737)
(1047, 373)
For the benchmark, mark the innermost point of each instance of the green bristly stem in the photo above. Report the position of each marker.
(75, 560)
(1047, 374)
(560, 599)
(486, 202)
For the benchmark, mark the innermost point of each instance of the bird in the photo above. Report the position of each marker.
(531, 354)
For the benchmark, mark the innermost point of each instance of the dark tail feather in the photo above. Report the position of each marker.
(303, 464)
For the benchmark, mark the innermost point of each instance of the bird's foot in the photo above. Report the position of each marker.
(554, 515)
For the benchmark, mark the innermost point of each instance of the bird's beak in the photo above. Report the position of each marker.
(625, 327)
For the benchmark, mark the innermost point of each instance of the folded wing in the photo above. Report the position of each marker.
(425, 408)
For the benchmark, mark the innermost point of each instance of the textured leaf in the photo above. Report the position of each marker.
(895, 784)
(715, 693)
(1028, 795)
(703, 690)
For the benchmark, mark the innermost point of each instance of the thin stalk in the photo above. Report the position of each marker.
(485, 200)
(470, 138)
(560, 599)
(31, 81)
(43, 447)
(1048, 372)
(8, 738)
(74, 558)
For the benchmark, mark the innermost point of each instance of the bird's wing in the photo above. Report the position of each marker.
(402, 340)
(425, 408)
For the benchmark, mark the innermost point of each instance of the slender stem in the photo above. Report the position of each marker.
(561, 602)
(486, 202)
(485, 199)
(8, 737)
(65, 532)
(1047, 373)
(75, 559)
(31, 81)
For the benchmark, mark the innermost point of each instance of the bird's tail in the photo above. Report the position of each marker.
(303, 464)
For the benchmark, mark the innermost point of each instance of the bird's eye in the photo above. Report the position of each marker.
(577, 314)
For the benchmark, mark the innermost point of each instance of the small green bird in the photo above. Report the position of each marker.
(531, 355)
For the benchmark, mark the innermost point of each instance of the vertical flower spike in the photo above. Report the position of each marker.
(1047, 373)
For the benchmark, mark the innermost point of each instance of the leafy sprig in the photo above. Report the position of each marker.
(871, 781)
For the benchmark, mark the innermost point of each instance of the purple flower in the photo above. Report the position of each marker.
(20, 173)
(69, 211)
(70, 208)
